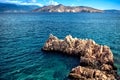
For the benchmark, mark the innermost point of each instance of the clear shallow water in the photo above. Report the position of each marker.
(23, 35)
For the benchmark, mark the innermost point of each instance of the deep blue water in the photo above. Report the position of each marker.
(23, 35)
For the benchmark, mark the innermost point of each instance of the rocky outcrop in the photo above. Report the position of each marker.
(62, 8)
(84, 73)
(96, 61)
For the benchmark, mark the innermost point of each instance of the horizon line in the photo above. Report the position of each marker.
(40, 5)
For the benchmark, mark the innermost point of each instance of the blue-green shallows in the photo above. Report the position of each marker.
(23, 35)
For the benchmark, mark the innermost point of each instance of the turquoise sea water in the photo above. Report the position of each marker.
(23, 35)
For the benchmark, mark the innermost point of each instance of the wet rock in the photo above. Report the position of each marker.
(96, 61)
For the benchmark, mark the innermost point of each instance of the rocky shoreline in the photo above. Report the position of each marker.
(96, 61)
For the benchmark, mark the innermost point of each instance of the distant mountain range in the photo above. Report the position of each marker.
(112, 11)
(62, 8)
(9, 7)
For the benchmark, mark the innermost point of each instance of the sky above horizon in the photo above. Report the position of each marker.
(99, 4)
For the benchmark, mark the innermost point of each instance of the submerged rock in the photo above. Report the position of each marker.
(96, 61)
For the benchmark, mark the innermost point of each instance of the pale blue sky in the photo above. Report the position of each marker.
(100, 4)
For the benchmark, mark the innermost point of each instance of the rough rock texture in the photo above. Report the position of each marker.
(96, 61)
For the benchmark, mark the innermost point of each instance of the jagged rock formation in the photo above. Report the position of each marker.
(62, 8)
(96, 61)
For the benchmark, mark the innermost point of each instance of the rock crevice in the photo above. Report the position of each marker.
(96, 61)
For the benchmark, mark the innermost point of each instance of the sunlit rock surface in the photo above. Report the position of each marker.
(96, 61)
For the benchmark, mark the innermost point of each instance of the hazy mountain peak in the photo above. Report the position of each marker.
(10, 7)
(62, 8)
